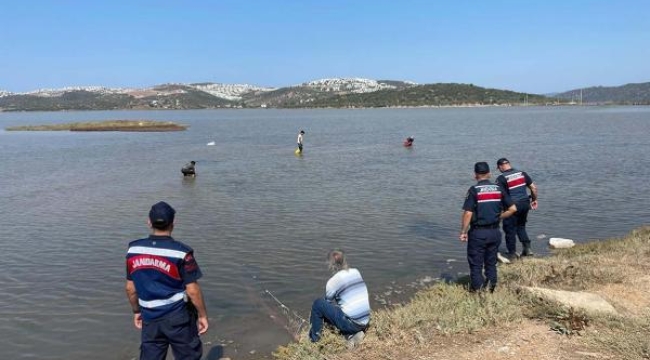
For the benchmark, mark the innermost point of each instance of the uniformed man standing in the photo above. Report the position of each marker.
(162, 288)
(515, 182)
(483, 209)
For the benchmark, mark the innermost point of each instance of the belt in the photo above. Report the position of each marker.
(491, 226)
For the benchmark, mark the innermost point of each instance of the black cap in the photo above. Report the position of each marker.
(502, 161)
(161, 215)
(481, 167)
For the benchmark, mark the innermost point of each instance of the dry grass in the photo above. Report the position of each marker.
(446, 322)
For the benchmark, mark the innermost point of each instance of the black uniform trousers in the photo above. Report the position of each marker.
(515, 226)
(178, 330)
(482, 247)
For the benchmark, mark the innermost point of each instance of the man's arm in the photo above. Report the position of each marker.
(465, 219)
(533, 196)
(509, 212)
(332, 288)
(196, 296)
(132, 295)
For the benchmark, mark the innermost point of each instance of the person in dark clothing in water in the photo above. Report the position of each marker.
(189, 169)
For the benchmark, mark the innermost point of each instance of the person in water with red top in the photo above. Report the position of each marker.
(409, 141)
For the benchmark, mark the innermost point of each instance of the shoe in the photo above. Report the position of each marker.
(503, 259)
(527, 251)
(356, 339)
(512, 257)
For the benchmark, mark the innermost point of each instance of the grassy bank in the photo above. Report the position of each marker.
(110, 125)
(446, 322)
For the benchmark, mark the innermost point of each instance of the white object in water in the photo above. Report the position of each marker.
(560, 243)
(211, 143)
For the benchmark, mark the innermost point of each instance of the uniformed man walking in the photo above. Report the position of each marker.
(162, 288)
(515, 182)
(483, 209)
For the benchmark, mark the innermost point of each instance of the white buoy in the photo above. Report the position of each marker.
(211, 143)
(560, 243)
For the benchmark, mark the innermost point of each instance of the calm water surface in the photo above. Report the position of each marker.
(260, 218)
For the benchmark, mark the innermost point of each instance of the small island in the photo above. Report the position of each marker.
(109, 125)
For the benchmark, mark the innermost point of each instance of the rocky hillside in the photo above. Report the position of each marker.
(629, 94)
(336, 92)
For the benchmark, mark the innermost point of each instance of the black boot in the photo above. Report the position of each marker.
(526, 251)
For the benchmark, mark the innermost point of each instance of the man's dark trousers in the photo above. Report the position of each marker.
(178, 330)
(515, 226)
(482, 248)
(324, 310)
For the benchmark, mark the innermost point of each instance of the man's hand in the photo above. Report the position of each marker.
(196, 296)
(202, 324)
(137, 320)
(533, 205)
(463, 237)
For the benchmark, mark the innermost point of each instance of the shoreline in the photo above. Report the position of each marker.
(445, 321)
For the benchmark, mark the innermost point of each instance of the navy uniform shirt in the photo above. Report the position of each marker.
(160, 267)
(487, 201)
(515, 182)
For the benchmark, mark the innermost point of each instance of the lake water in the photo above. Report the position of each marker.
(260, 218)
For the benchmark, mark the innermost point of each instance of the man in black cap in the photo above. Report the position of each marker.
(163, 290)
(515, 182)
(483, 209)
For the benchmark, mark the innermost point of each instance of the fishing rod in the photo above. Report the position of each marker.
(288, 311)
(293, 323)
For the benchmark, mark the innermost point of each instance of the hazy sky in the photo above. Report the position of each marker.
(532, 46)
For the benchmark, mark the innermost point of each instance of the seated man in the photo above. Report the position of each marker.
(345, 305)
(189, 169)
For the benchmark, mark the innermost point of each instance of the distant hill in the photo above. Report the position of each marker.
(169, 96)
(335, 92)
(73, 100)
(432, 95)
(319, 93)
(629, 94)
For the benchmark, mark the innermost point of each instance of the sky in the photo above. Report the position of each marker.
(529, 46)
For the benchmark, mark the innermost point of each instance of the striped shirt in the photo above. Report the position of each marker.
(349, 291)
